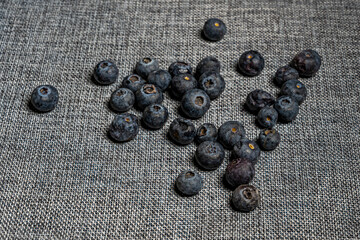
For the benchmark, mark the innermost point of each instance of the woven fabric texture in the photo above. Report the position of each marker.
(62, 177)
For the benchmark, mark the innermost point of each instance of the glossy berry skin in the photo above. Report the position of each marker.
(182, 83)
(267, 117)
(284, 74)
(145, 66)
(147, 95)
(208, 64)
(246, 149)
(124, 127)
(307, 63)
(160, 78)
(258, 99)
(133, 82)
(106, 72)
(206, 132)
(155, 116)
(182, 131)
(251, 63)
(195, 103)
(287, 108)
(180, 67)
(239, 171)
(189, 183)
(246, 198)
(230, 133)
(214, 29)
(209, 155)
(44, 98)
(212, 83)
(122, 100)
(295, 89)
(269, 139)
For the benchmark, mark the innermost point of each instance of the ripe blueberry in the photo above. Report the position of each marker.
(214, 29)
(267, 117)
(258, 99)
(155, 116)
(206, 132)
(239, 171)
(209, 155)
(44, 98)
(182, 131)
(284, 74)
(195, 103)
(133, 82)
(269, 139)
(182, 83)
(106, 72)
(207, 64)
(246, 198)
(124, 127)
(180, 67)
(287, 108)
(122, 100)
(145, 66)
(246, 149)
(189, 183)
(230, 133)
(161, 78)
(147, 95)
(307, 63)
(212, 83)
(251, 63)
(295, 89)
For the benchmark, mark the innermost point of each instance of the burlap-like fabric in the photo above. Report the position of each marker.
(61, 177)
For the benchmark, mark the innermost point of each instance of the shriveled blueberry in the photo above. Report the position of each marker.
(182, 83)
(155, 116)
(189, 183)
(133, 82)
(269, 139)
(122, 100)
(209, 155)
(161, 78)
(246, 149)
(239, 171)
(267, 117)
(106, 72)
(230, 133)
(182, 131)
(284, 74)
(214, 29)
(251, 63)
(246, 198)
(195, 103)
(206, 132)
(44, 98)
(124, 127)
(258, 99)
(307, 63)
(147, 95)
(212, 83)
(180, 67)
(145, 66)
(295, 89)
(208, 64)
(287, 108)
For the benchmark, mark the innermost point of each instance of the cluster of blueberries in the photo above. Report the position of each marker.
(144, 90)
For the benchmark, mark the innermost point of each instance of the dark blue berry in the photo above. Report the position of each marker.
(209, 155)
(133, 82)
(269, 139)
(267, 117)
(230, 133)
(246, 149)
(208, 64)
(195, 103)
(182, 131)
(147, 95)
(251, 63)
(307, 63)
(145, 66)
(182, 83)
(124, 127)
(287, 108)
(155, 116)
(239, 171)
(160, 78)
(212, 83)
(189, 183)
(258, 99)
(106, 72)
(246, 198)
(295, 89)
(179, 67)
(214, 29)
(284, 74)
(206, 132)
(44, 98)
(122, 100)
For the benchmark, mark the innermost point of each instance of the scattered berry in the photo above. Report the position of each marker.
(246, 149)
(284, 74)
(208, 64)
(145, 66)
(133, 82)
(106, 72)
(206, 132)
(258, 99)
(189, 183)
(179, 67)
(267, 117)
(122, 100)
(212, 83)
(182, 83)
(161, 78)
(209, 155)
(287, 108)
(307, 63)
(155, 116)
(246, 198)
(214, 29)
(147, 95)
(295, 89)
(230, 133)
(269, 139)
(124, 127)
(182, 131)
(239, 171)
(44, 98)
(195, 103)
(251, 63)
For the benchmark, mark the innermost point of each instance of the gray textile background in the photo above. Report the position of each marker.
(61, 177)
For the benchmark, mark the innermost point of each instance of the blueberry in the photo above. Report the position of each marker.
(147, 95)
(106, 72)
(230, 133)
(133, 82)
(239, 171)
(145, 66)
(206, 132)
(246, 198)
(179, 67)
(284, 74)
(307, 63)
(269, 139)
(295, 89)
(209, 155)
(122, 100)
(155, 116)
(287, 108)
(267, 117)
(214, 29)
(182, 131)
(246, 149)
(182, 83)
(44, 98)
(251, 63)
(124, 127)
(160, 78)
(195, 103)
(258, 99)
(189, 183)
(212, 83)
(207, 64)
